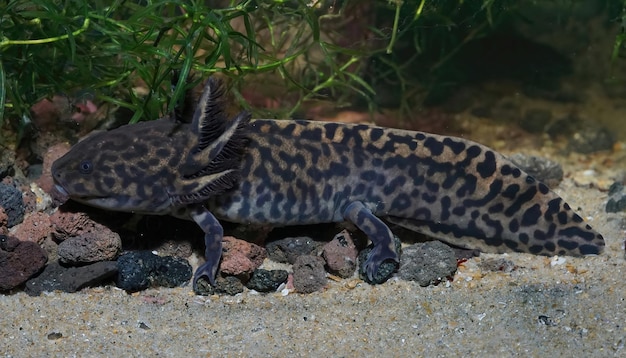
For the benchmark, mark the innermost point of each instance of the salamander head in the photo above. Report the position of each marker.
(156, 166)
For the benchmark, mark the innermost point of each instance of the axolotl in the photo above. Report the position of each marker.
(295, 172)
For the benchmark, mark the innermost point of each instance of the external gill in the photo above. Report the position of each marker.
(218, 164)
(211, 168)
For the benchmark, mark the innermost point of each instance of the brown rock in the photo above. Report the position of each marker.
(35, 227)
(240, 257)
(67, 224)
(89, 241)
(287, 250)
(91, 247)
(51, 248)
(19, 260)
(308, 274)
(340, 255)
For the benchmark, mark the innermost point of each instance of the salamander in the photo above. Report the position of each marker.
(296, 172)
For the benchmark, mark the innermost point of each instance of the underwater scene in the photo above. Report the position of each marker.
(335, 178)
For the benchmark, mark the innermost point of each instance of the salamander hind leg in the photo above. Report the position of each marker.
(213, 234)
(381, 236)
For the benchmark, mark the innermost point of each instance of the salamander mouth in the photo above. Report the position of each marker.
(59, 194)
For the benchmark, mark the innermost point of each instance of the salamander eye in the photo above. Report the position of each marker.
(85, 167)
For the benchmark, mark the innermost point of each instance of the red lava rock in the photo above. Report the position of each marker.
(89, 241)
(240, 257)
(92, 247)
(340, 255)
(53, 153)
(309, 274)
(67, 224)
(35, 227)
(19, 260)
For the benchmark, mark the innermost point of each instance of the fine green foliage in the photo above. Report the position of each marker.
(112, 49)
(51, 46)
(620, 38)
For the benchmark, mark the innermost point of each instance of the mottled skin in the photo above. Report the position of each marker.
(161, 167)
(449, 188)
(305, 172)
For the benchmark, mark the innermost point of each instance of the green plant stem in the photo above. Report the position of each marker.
(419, 10)
(394, 32)
(7, 42)
(2, 92)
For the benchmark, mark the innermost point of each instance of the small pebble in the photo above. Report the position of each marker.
(557, 260)
(240, 257)
(55, 335)
(427, 263)
(546, 320)
(229, 285)
(289, 249)
(309, 274)
(267, 281)
(341, 255)
(89, 248)
(138, 270)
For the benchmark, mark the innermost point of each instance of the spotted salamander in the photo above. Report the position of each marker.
(295, 172)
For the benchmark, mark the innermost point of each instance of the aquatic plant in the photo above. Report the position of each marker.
(346, 50)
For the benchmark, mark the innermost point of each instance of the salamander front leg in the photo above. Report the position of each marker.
(213, 234)
(376, 230)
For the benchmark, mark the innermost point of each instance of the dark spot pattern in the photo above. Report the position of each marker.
(303, 172)
(531, 215)
(456, 146)
(487, 167)
(435, 146)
